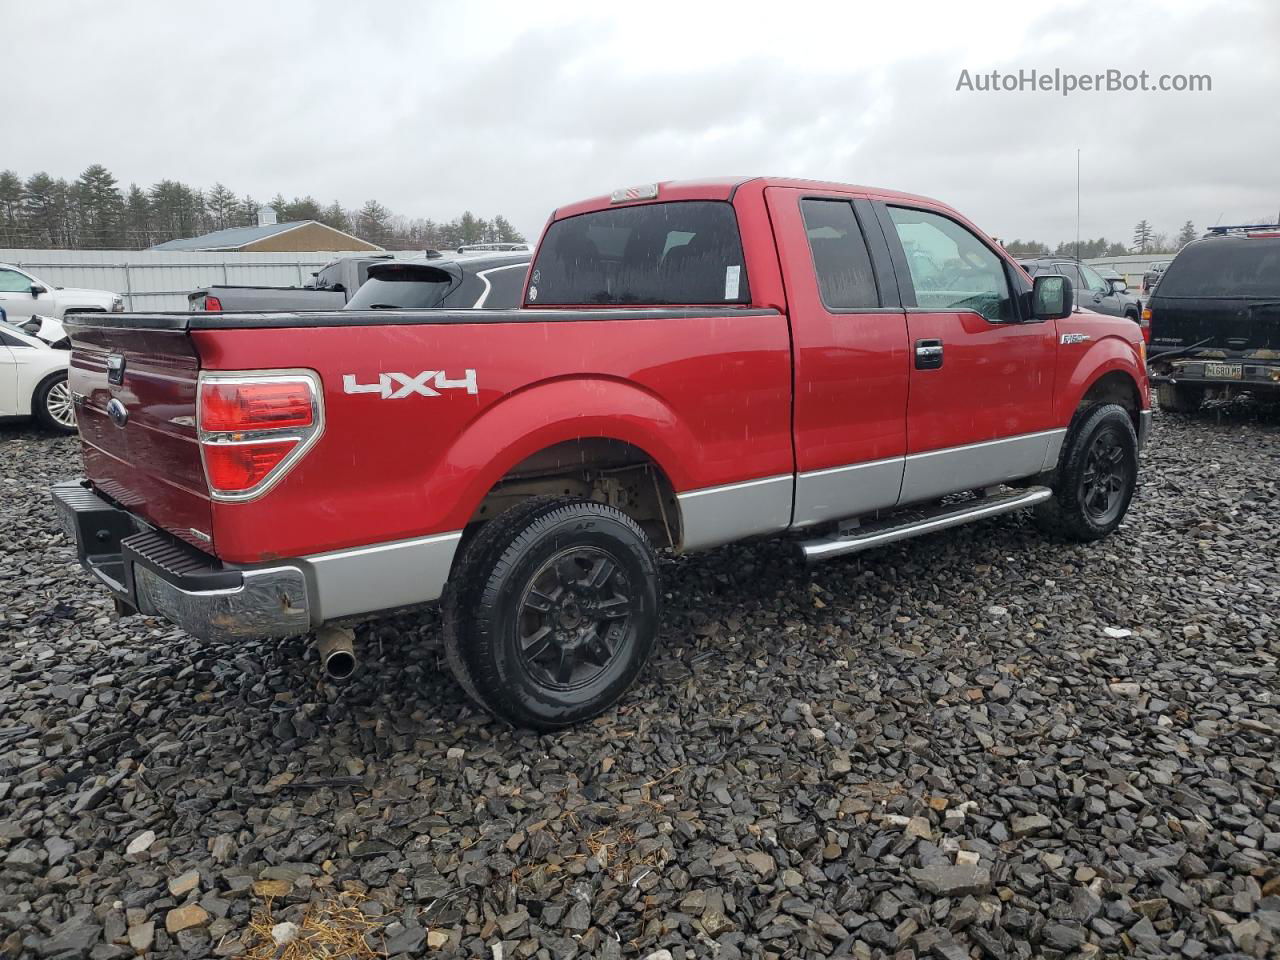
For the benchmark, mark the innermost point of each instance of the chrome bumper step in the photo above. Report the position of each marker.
(919, 522)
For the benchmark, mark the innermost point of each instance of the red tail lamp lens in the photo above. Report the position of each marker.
(239, 407)
(234, 467)
(212, 304)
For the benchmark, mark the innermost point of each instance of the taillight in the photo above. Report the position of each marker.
(230, 405)
(212, 304)
(1145, 324)
(254, 427)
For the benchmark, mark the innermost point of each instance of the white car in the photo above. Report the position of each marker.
(33, 380)
(22, 295)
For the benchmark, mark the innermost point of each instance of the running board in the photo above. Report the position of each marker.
(920, 522)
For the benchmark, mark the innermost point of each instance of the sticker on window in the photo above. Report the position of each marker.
(731, 275)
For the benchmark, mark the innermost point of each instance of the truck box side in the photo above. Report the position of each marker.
(426, 411)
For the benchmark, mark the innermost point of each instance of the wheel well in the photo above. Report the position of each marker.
(1115, 387)
(40, 384)
(595, 468)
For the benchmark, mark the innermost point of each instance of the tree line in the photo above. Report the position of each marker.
(1146, 239)
(92, 212)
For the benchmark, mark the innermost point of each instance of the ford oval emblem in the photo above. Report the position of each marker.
(117, 412)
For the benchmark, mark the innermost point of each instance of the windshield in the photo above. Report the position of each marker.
(402, 286)
(686, 252)
(1246, 267)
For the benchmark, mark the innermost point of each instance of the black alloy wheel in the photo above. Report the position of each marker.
(1106, 477)
(575, 615)
(551, 611)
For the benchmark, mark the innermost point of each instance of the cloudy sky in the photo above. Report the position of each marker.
(515, 108)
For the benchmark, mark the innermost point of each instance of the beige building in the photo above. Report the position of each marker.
(271, 237)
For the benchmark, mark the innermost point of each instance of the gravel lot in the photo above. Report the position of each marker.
(978, 744)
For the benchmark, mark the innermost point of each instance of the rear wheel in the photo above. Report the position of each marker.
(1097, 475)
(52, 405)
(1179, 397)
(552, 611)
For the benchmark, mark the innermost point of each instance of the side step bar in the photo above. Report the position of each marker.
(921, 521)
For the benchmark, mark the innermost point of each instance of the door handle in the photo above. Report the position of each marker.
(928, 354)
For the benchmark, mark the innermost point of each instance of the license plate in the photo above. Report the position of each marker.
(1224, 371)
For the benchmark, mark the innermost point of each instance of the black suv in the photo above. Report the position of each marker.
(1215, 319)
(1093, 292)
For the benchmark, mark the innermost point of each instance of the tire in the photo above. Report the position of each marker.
(529, 633)
(1179, 398)
(51, 405)
(1097, 475)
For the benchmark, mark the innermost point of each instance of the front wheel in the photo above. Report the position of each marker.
(52, 405)
(1097, 475)
(552, 611)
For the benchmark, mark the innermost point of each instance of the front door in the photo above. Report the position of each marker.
(1096, 294)
(980, 405)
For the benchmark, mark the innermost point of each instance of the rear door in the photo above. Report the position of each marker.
(979, 410)
(135, 393)
(849, 333)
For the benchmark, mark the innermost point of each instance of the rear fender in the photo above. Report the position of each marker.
(542, 415)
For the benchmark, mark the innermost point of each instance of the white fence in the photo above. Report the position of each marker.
(152, 280)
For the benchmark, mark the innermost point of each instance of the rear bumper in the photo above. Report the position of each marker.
(152, 573)
(1254, 374)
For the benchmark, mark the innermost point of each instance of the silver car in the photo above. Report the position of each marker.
(1092, 290)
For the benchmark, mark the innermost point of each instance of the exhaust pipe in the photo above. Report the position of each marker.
(337, 651)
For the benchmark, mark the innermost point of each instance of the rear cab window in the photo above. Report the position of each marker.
(1227, 267)
(402, 286)
(841, 261)
(681, 252)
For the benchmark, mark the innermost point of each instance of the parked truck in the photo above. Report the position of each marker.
(696, 363)
(335, 283)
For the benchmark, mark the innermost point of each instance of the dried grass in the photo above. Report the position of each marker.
(335, 929)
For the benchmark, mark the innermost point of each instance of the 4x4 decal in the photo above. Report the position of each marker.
(397, 386)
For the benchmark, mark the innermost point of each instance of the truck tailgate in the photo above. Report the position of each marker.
(138, 435)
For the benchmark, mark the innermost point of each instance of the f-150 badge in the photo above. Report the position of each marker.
(397, 386)
(1075, 338)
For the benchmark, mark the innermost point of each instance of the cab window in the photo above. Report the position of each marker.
(951, 269)
(840, 257)
(11, 281)
(1093, 280)
(680, 252)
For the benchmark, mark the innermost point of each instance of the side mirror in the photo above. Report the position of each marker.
(1051, 297)
(1119, 286)
(36, 290)
(32, 326)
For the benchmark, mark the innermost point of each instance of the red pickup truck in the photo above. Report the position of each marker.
(696, 363)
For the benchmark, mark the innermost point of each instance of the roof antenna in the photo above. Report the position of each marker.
(1077, 204)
